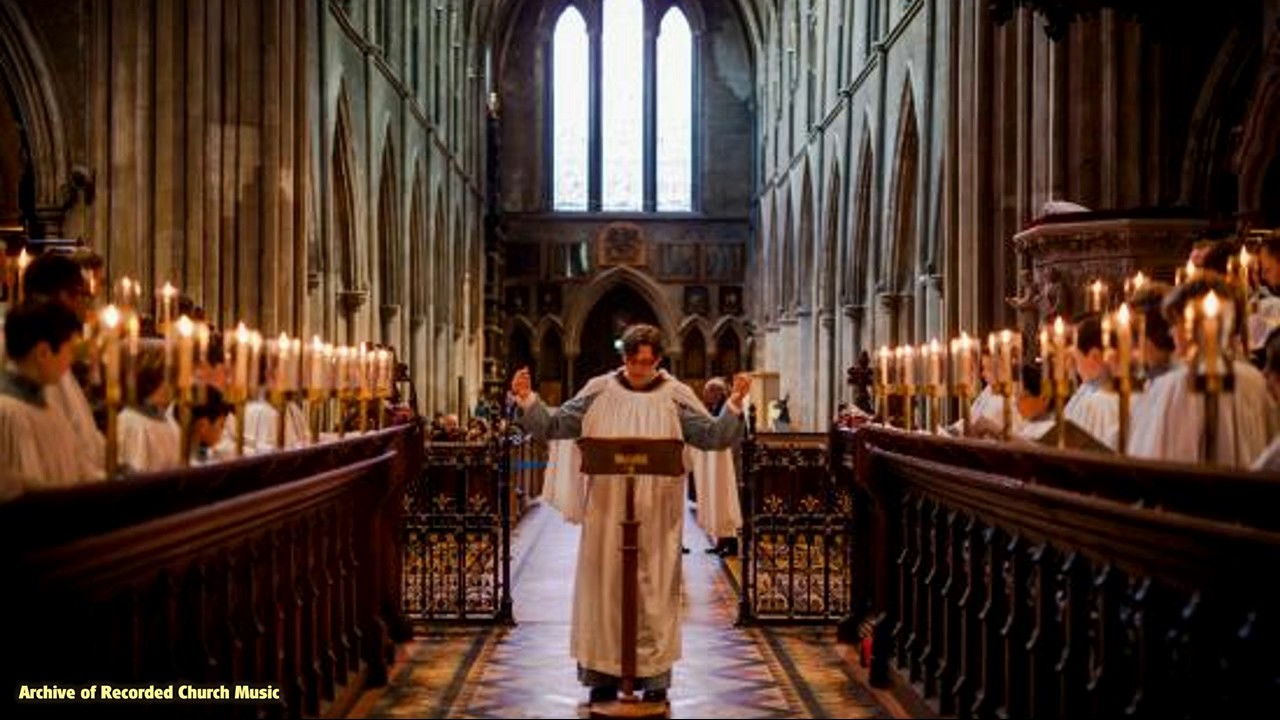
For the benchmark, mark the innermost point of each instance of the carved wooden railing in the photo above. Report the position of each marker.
(1002, 581)
(796, 531)
(457, 533)
(281, 569)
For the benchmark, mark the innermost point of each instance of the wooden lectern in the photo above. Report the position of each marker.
(629, 457)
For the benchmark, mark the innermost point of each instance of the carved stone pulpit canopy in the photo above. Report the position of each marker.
(1069, 251)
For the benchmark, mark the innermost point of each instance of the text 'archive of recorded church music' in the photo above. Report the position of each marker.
(99, 692)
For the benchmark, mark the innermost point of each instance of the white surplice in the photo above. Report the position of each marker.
(149, 442)
(1096, 411)
(1169, 422)
(37, 446)
(715, 482)
(607, 408)
(261, 420)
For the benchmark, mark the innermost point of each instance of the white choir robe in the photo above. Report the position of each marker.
(606, 408)
(1169, 422)
(148, 443)
(715, 480)
(563, 486)
(261, 421)
(91, 445)
(1096, 411)
(37, 446)
(68, 398)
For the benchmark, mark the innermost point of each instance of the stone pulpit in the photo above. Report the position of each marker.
(1063, 254)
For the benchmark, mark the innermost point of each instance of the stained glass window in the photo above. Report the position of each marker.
(571, 64)
(623, 87)
(675, 113)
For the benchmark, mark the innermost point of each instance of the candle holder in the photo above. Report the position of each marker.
(1213, 322)
(1055, 364)
(279, 400)
(184, 422)
(1120, 332)
(239, 405)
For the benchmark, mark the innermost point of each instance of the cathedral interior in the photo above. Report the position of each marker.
(816, 193)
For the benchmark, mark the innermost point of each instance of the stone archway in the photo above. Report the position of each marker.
(620, 307)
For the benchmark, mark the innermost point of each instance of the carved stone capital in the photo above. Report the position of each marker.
(352, 300)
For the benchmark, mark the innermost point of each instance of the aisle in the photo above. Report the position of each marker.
(526, 671)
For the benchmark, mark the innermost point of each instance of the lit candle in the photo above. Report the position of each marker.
(340, 376)
(23, 261)
(1124, 339)
(127, 293)
(242, 358)
(280, 377)
(907, 365)
(884, 365)
(1006, 355)
(255, 361)
(1210, 307)
(1046, 350)
(186, 339)
(202, 344)
(1096, 292)
(963, 361)
(133, 325)
(935, 363)
(1059, 350)
(111, 353)
(295, 365)
(168, 307)
(326, 377)
(315, 376)
(1245, 260)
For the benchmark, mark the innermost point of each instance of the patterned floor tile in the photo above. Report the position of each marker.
(526, 671)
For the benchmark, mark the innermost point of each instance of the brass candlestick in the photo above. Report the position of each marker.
(364, 411)
(113, 441)
(184, 420)
(1060, 390)
(278, 401)
(964, 394)
(908, 407)
(239, 405)
(314, 406)
(1005, 388)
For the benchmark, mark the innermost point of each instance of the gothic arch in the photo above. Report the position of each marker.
(346, 228)
(440, 266)
(547, 324)
(585, 300)
(803, 282)
(1260, 139)
(856, 265)
(458, 266)
(830, 238)
(33, 86)
(904, 231)
(390, 262)
(1209, 131)
(699, 323)
(787, 256)
(418, 250)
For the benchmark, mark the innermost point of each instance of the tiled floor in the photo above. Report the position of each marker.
(526, 671)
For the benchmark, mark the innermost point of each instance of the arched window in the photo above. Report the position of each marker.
(572, 128)
(634, 149)
(675, 113)
(623, 84)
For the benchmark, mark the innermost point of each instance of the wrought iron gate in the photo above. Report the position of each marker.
(796, 531)
(457, 535)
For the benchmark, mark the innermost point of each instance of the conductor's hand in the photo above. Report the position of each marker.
(522, 384)
(741, 386)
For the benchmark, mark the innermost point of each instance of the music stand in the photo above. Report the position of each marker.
(628, 457)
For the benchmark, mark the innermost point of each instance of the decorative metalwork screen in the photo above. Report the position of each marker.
(457, 527)
(797, 531)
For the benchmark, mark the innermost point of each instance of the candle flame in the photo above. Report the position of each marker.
(1122, 315)
(168, 291)
(1059, 327)
(110, 317)
(1211, 305)
(23, 259)
(185, 327)
(1097, 286)
(316, 343)
(242, 334)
